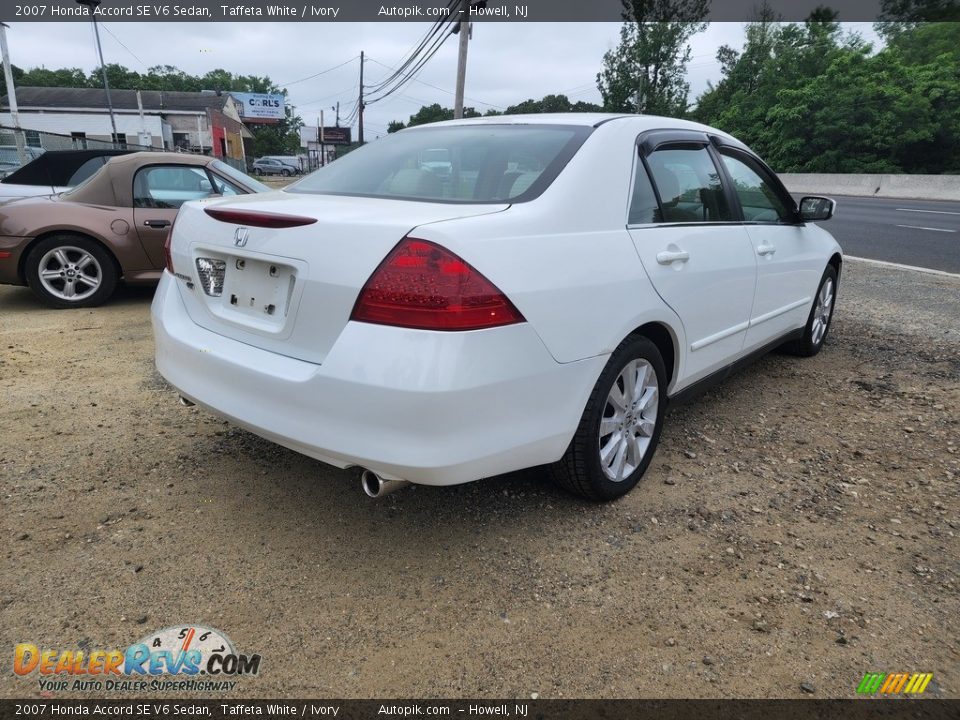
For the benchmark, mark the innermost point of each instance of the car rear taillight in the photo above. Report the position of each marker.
(422, 285)
(256, 218)
(166, 247)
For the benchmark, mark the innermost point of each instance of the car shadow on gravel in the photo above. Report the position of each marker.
(22, 298)
(284, 489)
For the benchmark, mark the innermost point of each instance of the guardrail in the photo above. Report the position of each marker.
(906, 187)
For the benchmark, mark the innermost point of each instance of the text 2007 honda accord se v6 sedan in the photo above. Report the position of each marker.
(535, 299)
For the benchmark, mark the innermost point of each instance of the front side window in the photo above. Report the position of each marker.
(170, 186)
(689, 185)
(759, 201)
(465, 164)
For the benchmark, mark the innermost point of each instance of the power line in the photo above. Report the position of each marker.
(352, 88)
(322, 72)
(401, 80)
(104, 26)
(444, 90)
(412, 55)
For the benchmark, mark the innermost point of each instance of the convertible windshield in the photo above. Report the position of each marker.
(461, 164)
(230, 172)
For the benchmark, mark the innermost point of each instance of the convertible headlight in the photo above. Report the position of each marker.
(211, 274)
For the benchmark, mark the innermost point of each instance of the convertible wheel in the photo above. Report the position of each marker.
(818, 323)
(67, 271)
(620, 427)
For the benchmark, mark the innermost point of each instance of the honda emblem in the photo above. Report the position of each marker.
(240, 236)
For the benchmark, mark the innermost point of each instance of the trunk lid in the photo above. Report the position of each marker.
(291, 290)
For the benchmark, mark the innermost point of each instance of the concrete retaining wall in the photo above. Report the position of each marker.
(908, 187)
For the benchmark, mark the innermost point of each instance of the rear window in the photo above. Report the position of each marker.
(458, 164)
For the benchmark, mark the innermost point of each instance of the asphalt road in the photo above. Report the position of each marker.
(910, 232)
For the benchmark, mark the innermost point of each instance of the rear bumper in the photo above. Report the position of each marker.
(430, 407)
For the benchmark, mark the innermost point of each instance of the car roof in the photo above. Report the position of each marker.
(55, 167)
(640, 122)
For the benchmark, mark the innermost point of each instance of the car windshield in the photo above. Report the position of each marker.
(478, 163)
(231, 173)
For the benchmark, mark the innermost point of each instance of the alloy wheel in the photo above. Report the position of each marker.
(628, 420)
(821, 312)
(70, 273)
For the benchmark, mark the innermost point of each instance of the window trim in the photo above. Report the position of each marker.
(133, 182)
(650, 141)
(753, 162)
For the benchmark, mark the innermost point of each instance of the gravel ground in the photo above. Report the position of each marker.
(797, 527)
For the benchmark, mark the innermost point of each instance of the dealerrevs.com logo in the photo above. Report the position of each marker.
(180, 658)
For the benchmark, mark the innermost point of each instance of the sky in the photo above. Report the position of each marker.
(507, 62)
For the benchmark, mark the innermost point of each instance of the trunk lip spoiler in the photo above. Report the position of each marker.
(258, 218)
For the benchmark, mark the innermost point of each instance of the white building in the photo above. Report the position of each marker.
(206, 121)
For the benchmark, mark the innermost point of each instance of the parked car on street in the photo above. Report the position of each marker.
(54, 171)
(540, 304)
(73, 248)
(272, 166)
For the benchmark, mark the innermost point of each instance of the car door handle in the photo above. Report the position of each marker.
(157, 224)
(766, 249)
(668, 256)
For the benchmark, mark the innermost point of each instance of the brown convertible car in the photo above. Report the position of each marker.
(72, 248)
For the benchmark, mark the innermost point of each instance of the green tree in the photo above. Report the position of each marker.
(550, 104)
(809, 98)
(435, 113)
(646, 72)
(42, 77)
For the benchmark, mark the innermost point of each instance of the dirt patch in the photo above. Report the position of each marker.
(798, 525)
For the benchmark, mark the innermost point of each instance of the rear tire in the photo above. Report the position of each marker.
(258, 172)
(620, 427)
(821, 314)
(285, 173)
(69, 271)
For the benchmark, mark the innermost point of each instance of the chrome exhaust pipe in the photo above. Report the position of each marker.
(185, 402)
(376, 487)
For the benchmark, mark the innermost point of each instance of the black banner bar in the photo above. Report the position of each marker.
(228, 709)
(433, 10)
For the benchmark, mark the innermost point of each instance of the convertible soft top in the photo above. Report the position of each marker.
(56, 167)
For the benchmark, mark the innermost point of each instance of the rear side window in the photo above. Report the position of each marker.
(87, 170)
(689, 185)
(644, 207)
(480, 163)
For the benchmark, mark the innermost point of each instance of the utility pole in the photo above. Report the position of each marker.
(337, 109)
(323, 152)
(12, 96)
(92, 4)
(462, 60)
(360, 133)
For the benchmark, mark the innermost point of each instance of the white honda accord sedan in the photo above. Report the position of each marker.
(539, 298)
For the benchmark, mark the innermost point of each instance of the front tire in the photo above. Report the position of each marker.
(68, 271)
(818, 322)
(621, 424)
(285, 173)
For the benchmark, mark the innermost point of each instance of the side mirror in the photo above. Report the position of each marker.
(814, 208)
